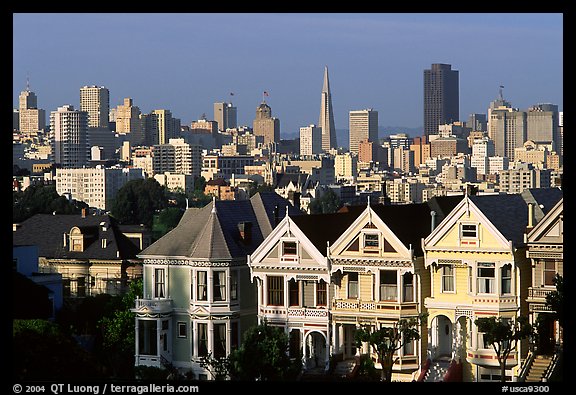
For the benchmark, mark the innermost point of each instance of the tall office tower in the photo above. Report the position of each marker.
(542, 124)
(441, 97)
(363, 127)
(482, 150)
(226, 116)
(160, 126)
(506, 127)
(265, 125)
(326, 122)
(95, 100)
(30, 117)
(128, 122)
(310, 140)
(477, 122)
(69, 137)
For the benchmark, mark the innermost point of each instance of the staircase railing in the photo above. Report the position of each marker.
(526, 366)
(553, 363)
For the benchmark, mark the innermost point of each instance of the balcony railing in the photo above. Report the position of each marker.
(295, 312)
(154, 305)
(538, 293)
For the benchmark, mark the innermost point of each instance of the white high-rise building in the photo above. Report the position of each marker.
(69, 137)
(482, 149)
(310, 140)
(97, 187)
(177, 157)
(363, 127)
(95, 100)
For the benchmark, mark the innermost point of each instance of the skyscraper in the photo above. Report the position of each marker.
(310, 140)
(441, 97)
(69, 131)
(363, 127)
(225, 115)
(326, 121)
(266, 125)
(128, 122)
(30, 117)
(95, 100)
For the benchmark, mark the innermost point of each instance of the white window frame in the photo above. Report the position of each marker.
(442, 276)
(158, 270)
(371, 247)
(179, 326)
(479, 287)
(501, 271)
(357, 285)
(219, 274)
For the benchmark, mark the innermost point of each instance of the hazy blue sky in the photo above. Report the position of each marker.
(186, 62)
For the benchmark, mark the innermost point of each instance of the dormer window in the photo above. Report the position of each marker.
(289, 248)
(469, 231)
(76, 240)
(371, 241)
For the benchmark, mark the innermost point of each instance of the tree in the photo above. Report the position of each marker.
(41, 199)
(263, 355)
(166, 221)
(219, 368)
(386, 341)
(137, 202)
(555, 299)
(43, 352)
(504, 334)
(118, 333)
(328, 203)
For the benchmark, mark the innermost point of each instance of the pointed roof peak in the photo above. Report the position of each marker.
(326, 86)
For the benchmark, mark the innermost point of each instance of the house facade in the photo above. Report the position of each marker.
(478, 268)
(198, 298)
(545, 243)
(93, 253)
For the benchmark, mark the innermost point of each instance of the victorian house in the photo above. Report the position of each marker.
(198, 298)
(478, 268)
(292, 273)
(377, 268)
(545, 242)
(92, 253)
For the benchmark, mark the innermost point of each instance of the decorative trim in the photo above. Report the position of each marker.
(190, 262)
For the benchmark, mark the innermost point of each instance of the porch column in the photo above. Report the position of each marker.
(334, 335)
(341, 345)
(137, 345)
(158, 332)
(327, 354)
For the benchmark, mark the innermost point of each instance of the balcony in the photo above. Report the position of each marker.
(372, 306)
(487, 357)
(295, 313)
(538, 294)
(153, 306)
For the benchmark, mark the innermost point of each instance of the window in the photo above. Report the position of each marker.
(408, 284)
(469, 279)
(321, 293)
(275, 290)
(182, 330)
(549, 273)
(202, 340)
(201, 286)
(289, 248)
(352, 285)
(371, 241)
(388, 285)
(219, 340)
(506, 277)
(294, 343)
(485, 278)
(233, 284)
(66, 287)
(159, 291)
(469, 230)
(447, 278)
(147, 340)
(219, 285)
(81, 287)
(408, 348)
(293, 296)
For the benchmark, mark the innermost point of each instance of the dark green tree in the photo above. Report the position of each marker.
(503, 334)
(555, 299)
(138, 201)
(166, 221)
(328, 203)
(219, 368)
(118, 333)
(386, 341)
(40, 199)
(43, 352)
(263, 355)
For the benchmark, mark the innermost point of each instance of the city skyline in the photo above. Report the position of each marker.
(285, 55)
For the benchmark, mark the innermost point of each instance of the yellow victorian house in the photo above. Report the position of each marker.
(478, 268)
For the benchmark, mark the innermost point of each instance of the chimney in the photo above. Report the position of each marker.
(432, 221)
(276, 215)
(530, 215)
(245, 229)
(83, 213)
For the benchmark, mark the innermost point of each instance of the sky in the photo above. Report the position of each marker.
(185, 62)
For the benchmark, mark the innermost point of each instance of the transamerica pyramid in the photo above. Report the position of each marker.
(326, 121)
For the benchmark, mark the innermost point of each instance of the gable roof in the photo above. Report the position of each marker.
(47, 232)
(544, 200)
(270, 208)
(212, 233)
(297, 179)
